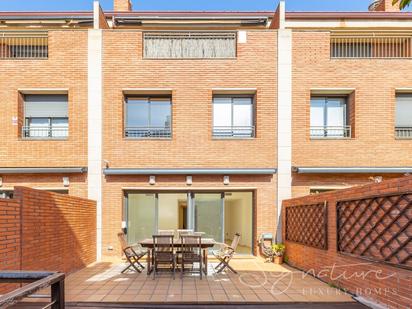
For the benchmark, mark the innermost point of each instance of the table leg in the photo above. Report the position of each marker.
(205, 252)
(149, 262)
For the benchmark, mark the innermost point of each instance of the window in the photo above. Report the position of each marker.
(189, 45)
(233, 117)
(45, 116)
(370, 46)
(403, 126)
(328, 117)
(7, 194)
(24, 45)
(148, 117)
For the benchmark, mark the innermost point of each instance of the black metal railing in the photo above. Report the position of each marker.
(234, 132)
(403, 132)
(148, 132)
(36, 282)
(330, 132)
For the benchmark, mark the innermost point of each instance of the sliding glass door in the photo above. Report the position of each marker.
(219, 215)
(141, 214)
(209, 215)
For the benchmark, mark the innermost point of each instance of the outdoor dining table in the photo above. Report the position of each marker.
(148, 243)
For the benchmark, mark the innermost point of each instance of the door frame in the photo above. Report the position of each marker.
(190, 206)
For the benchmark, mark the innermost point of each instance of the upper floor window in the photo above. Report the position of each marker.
(233, 117)
(371, 46)
(45, 116)
(403, 125)
(8, 194)
(23, 45)
(329, 117)
(189, 45)
(149, 117)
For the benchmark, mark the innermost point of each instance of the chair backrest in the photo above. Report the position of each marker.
(235, 241)
(166, 232)
(162, 244)
(184, 233)
(266, 241)
(191, 244)
(122, 239)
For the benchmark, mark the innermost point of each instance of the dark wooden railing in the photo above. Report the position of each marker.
(36, 281)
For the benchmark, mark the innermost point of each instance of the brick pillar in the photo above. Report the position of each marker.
(384, 6)
(122, 6)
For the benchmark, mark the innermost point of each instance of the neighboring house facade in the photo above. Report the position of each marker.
(202, 120)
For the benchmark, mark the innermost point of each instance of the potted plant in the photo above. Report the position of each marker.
(278, 251)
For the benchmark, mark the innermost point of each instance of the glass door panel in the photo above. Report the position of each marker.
(141, 216)
(238, 219)
(209, 215)
(172, 211)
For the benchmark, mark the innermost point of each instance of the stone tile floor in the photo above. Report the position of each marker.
(256, 282)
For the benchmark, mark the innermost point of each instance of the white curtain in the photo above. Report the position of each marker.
(189, 47)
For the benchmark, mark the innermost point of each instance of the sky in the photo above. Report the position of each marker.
(187, 5)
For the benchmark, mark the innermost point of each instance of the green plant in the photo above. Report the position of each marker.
(402, 3)
(278, 249)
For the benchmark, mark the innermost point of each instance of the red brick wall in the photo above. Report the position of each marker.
(65, 68)
(46, 231)
(394, 291)
(9, 238)
(191, 82)
(264, 211)
(375, 82)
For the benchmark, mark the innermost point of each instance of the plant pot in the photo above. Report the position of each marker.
(278, 260)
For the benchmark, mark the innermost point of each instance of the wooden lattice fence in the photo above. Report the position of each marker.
(377, 228)
(307, 225)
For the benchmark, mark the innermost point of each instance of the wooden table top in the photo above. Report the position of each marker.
(206, 243)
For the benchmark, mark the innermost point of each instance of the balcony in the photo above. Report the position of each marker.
(403, 132)
(330, 132)
(234, 132)
(148, 132)
(371, 46)
(48, 132)
(189, 45)
(24, 45)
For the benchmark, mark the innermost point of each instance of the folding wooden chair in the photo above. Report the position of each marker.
(225, 254)
(191, 252)
(133, 254)
(163, 253)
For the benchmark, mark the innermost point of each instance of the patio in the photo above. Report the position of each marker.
(256, 282)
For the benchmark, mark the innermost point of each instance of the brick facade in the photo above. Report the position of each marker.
(192, 84)
(46, 231)
(65, 68)
(264, 212)
(383, 284)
